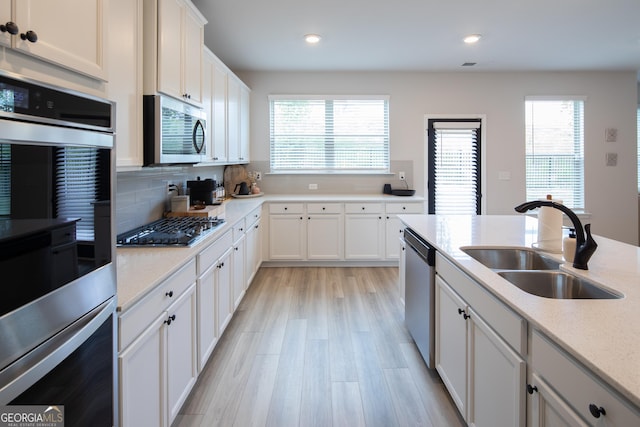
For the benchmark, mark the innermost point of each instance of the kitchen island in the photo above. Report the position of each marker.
(602, 335)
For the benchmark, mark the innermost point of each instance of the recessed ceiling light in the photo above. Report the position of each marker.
(312, 38)
(472, 38)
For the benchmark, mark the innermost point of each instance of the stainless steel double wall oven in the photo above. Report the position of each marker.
(57, 274)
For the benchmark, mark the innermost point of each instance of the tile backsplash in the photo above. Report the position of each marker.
(142, 196)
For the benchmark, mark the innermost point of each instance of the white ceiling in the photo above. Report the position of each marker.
(424, 35)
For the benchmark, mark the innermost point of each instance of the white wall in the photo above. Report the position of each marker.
(611, 192)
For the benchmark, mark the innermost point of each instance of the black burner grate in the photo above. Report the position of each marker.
(177, 231)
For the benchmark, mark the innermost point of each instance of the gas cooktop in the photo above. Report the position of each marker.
(178, 231)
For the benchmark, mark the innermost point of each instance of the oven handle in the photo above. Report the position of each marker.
(30, 368)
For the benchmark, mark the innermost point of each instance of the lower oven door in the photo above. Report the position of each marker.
(74, 370)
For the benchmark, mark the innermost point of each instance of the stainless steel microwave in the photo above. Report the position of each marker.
(174, 132)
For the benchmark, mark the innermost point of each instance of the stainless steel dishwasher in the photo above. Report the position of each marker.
(419, 299)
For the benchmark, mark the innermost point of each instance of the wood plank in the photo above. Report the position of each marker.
(316, 385)
(406, 399)
(256, 398)
(376, 399)
(347, 405)
(284, 409)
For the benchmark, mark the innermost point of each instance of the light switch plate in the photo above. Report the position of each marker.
(611, 135)
(612, 159)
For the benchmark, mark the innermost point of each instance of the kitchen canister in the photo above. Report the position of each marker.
(550, 228)
(180, 204)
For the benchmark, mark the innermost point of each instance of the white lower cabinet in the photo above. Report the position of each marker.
(484, 375)
(253, 245)
(239, 262)
(547, 409)
(324, 231)
(224, 288)
(159, 367)
(364, 231)
(287, 231)
(563, 392)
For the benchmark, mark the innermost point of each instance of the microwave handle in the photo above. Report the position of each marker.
(194, 137)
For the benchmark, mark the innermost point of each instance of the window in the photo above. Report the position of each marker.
(454, 166)
(329, 134)
(555, 150)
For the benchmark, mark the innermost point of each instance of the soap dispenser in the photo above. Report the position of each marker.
(569, 245)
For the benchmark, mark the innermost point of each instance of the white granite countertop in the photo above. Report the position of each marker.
(602, 334)
(140, 270)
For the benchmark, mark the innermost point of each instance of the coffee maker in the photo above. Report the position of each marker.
(202, 191)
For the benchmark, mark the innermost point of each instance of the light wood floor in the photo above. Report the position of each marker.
(315, 346)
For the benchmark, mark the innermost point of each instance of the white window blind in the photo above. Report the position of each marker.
(555, 150)
(454, 167)
(77, 170)
(329, 134)
(5, 179)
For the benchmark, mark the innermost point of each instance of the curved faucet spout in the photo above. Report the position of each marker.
(585, 247)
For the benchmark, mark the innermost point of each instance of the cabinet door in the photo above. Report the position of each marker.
(496, 379)
(548, 409)
(324, 237)
(233, 119)
(207, 315)
(192, 65)
(181, 351)
(125, 78)
(401, 268)
(239, 270)
(451, 343)
(225, 291)
(170, 29)
(218, 127)
(393, 230)
(74, 41)
(5, 16)
(142, 380)
(286, 237)
(253, 252)
(245, 100)
(363, 237)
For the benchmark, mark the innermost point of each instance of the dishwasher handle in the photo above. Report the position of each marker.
(420, 246)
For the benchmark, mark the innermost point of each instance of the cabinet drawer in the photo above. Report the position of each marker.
(510, 326)
(351, 208)
(238, 231)
(578, 386)
(324, 208)
(214, 251)
(286, 208)
(135, 320)
(402, 208)
(253, 217)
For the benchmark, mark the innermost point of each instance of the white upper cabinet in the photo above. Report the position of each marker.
(6, 20)
(226, 99)
(174, 41)
(68, 33)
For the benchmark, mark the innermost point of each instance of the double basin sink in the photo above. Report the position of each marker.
(537, 274)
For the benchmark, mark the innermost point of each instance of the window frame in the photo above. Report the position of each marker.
(329, 137)
(578, 191)
(482, 150)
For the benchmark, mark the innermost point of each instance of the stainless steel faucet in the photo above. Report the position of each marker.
(585, 247)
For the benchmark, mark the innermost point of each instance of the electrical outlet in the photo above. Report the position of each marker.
(258, 176)
(401, 176)
(313, 186)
